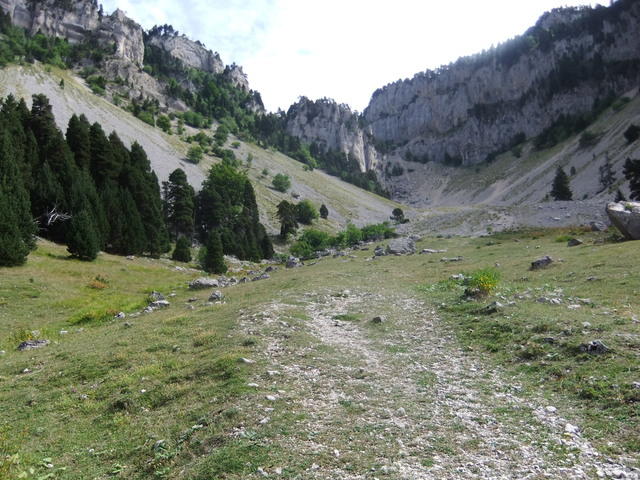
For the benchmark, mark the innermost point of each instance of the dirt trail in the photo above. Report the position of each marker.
(401, 400)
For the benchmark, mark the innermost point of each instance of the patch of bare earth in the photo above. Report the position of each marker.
(400, 399)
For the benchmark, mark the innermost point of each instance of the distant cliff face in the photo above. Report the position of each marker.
(332, 127)
(193, 54)
(76, 21)
(479, 105)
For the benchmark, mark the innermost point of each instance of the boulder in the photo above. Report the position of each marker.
(264, 276)
(451, 259)
(203, 283)
(542, 262)
(574, 242)
(155, 296)
(293, 262)
(626, 217)
(401, 246)
(377, 320)
(430, 251)
(32, 344)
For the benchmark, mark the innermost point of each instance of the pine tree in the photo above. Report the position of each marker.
(82, 237)
(182, 252)
(607, 176)
(632, 173)
(214, 259)
(79, 140)
(104, 167)
(324, 211)
(561, 189)
(179, 204)
(17, 228)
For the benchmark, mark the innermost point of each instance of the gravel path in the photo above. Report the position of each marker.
(401, 400)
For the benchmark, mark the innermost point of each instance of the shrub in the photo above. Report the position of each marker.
(324, 211)
(194, 155)
(306, 213)
(281, 182)
(378, 231)
(481, 282)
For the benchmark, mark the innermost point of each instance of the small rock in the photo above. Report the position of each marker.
(451, 259)
(192, 299)
(492, 308)
(2, 352)
(551, 409)
(592, 279)
(377, 320)
(270, 268)
(574, 307)
(203, 283)
(586, 324)
(121, 315)
(158, 304)
(379, 251)
(216, 296)
(244, 280)
(597, 226)
(541, 263)
(156, 296)
(571, 429)
(277, 471)
(253, 385)
(264, 421)
(401, 412)
(262, 472)
(430, 251)
(293, 262)
(595, 347)
(246, 360)
(130, 257)
(264, 276)
(33, 344)
(574, 242)
(63, 332)
(457, 277)
(271, 398)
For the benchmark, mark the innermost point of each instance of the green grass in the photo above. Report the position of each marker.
(166, 397)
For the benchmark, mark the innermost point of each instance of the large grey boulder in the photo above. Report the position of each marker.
(401, 246)
(203, 283)
(542, 262)
(293, 262)
(626, 218)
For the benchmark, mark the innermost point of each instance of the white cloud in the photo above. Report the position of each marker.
(343, 49)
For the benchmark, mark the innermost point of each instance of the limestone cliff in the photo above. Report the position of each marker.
(77, 21)
(192, 54)
(332, 127)
(462, 113)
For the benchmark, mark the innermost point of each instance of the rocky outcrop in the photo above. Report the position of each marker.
(77, 21)
(625, 216)
(192, 54)
(234, 74)
(464, 112)
(332, 127)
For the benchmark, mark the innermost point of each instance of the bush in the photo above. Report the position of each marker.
(376, 232)
(195, 153)
(324, 211)
(281, 182)
(306, 213)
(482, 282)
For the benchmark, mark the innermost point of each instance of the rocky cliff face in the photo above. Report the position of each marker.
(466, 111)
(193, 54)
(77, 21)
(332, 127)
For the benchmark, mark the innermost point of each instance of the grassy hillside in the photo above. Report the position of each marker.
(324, 392)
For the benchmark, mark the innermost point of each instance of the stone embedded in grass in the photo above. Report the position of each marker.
(595, 347)
(248, 361)
(574, 242)
(156, 296)
(597, 226)
(377, 320)
(203, 283)
(493, 307)
(32, 344)
(293, 262)
(542, 262)
(271, 398)
(430, 251)
(379, 251)
(216, 296)
(452, 259)
(401, 246)
(158, 304)
(264, 276)
(120, 315)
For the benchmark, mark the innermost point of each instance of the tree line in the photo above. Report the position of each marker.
(90, 191)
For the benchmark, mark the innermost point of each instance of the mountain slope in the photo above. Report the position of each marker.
(168, 152)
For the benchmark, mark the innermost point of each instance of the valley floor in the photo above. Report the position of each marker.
(291, 377)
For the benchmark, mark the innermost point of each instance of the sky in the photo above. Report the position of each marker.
(341, 49)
